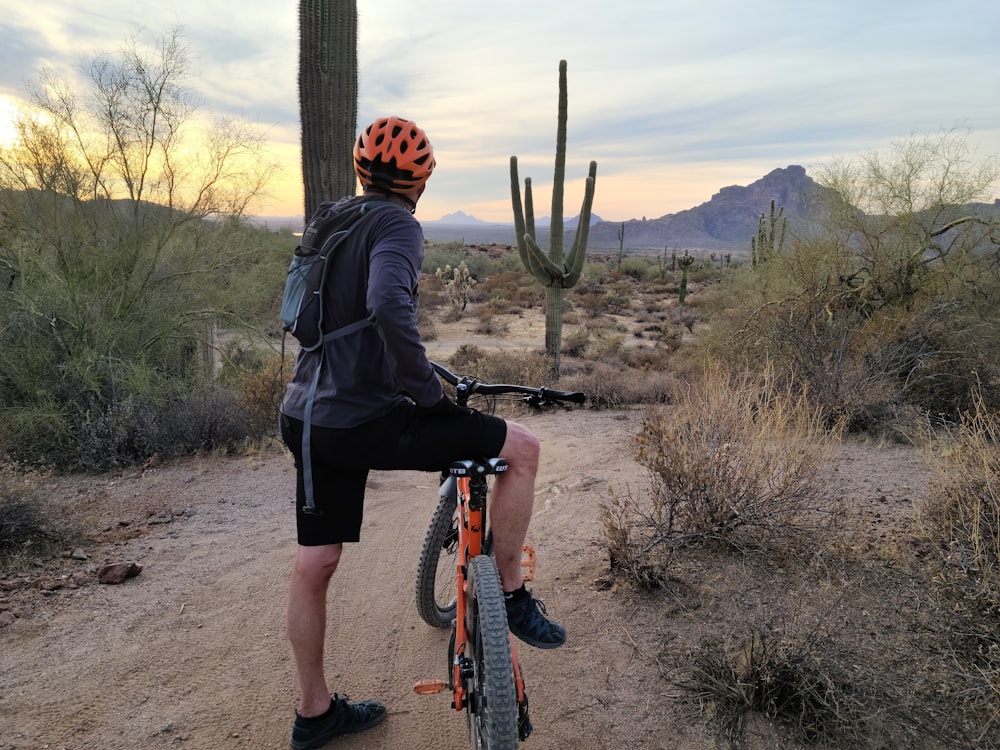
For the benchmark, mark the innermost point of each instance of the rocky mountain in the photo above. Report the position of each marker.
(727, 221)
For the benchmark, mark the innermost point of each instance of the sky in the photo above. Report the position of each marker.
(673, 100)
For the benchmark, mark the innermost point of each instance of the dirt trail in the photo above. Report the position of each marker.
(192, 652)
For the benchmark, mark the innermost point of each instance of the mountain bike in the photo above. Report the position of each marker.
(458, 585)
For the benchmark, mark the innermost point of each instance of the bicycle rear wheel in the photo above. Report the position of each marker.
(492, 697)
(437, 568)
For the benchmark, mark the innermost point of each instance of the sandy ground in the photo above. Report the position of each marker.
(191, 653)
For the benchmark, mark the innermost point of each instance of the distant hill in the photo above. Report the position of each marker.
(728, 220)
(459, 217)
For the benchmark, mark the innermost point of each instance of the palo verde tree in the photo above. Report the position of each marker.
(891, 302)
(328, 98)
(556, 271)
(110, 276)
(907, 220)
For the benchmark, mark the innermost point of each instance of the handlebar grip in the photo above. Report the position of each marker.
(574, 397)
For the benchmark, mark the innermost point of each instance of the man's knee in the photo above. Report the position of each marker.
(317, 564)
(521, 446)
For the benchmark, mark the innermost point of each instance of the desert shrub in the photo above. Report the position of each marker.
(520, 367)
(942, 358)
(258, 378)
(618, 298)
(614, 387)
(489, 324)
(443, 254)
(962, 512)
(640, 269)
(810, 340)
(961, 518)
(686, 316)
(480, 264)
(667, 334)
(507, 291)
(735, 460)
(594, 303)
(802, 684)
(576, 341)
(173, 419)
(648, 358)
(886, 306)
(606, 346)
(28, 528)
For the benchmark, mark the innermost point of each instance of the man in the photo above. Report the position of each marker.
(379, 405)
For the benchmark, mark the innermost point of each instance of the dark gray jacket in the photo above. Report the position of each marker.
(365, 374)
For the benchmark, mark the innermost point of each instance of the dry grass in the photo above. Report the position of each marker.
(29, 526)
(735, 461)
(961, 518)
(796, 681)
(962, 514)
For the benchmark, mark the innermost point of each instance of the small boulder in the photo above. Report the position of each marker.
(116, 573)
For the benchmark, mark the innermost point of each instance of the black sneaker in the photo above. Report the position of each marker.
(526, 619)
(341, 718)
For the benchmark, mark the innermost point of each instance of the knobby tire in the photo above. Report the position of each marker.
(437, 568)
(492, 696)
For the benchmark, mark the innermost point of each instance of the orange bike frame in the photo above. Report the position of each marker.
(471, 532)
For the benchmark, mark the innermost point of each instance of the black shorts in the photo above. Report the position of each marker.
(406, 438)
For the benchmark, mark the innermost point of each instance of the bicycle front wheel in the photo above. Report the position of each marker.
(492, 697)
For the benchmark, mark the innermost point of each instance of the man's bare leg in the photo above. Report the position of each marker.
(306, 622)
(513, 501)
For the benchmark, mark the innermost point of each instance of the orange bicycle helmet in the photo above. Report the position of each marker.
(394, 154)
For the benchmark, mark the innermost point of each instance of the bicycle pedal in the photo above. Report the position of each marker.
(528, 563)
(430, 687)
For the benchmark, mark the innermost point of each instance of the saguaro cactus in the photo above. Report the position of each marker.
(685, 262)
(556, 271)
(328, 98)
(770, 237)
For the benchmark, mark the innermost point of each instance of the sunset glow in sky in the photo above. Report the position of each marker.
(674, 100)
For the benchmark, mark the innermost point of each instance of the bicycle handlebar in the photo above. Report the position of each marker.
(466, 386)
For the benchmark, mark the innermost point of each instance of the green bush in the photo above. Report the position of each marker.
(115, 288)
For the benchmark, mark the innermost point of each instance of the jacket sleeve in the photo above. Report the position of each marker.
(394, 272)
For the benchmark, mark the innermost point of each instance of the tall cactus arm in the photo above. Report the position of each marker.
(578, 254)
(524, 227)
(515, 197)
(529, 208)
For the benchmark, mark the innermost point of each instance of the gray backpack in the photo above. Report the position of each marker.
(302, 302)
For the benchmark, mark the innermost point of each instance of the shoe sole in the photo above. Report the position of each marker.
(539, 644)
(318, 742)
